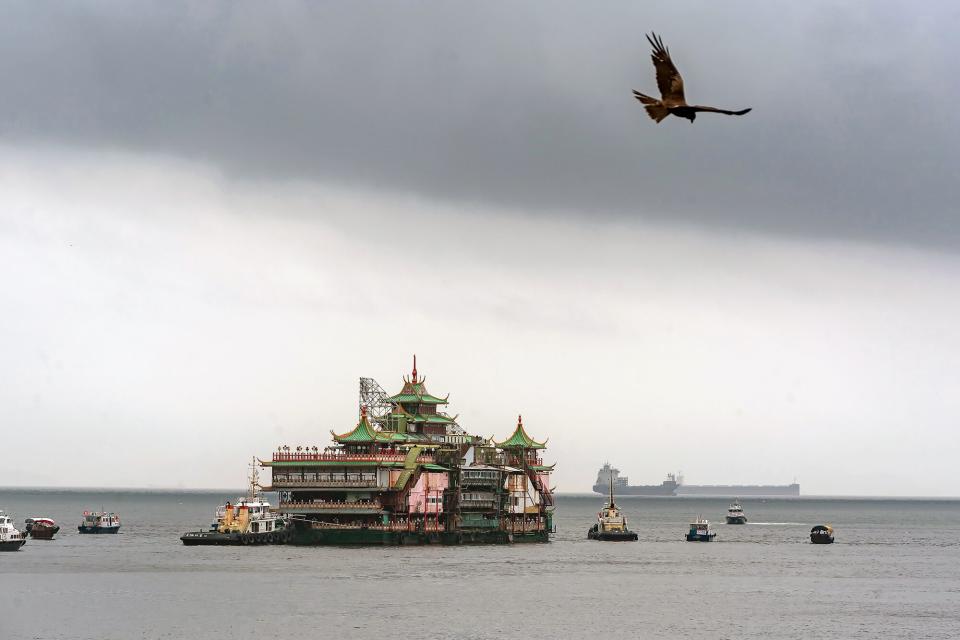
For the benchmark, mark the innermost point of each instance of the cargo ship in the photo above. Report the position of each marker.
(622, 486)
(408, 473)
(674, 486)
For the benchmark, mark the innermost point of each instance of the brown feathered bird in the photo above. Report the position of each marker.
(671, 89)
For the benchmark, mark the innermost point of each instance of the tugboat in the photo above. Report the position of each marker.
(249, 521)
(41, 528)
(700, 531)
(99, 522)
(821, 534)
(11, 539)
(735, 514)
(611, 525)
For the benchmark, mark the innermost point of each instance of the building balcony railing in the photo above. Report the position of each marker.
(392, 526)
(296, 483)
(330, 505)
(283, 456)
(481, 482)
(477, 504)
(528, 526)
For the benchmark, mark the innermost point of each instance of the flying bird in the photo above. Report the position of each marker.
(671, 89)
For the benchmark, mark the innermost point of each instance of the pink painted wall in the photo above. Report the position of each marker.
(429, 486)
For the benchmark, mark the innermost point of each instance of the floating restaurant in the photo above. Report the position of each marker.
(407, 473)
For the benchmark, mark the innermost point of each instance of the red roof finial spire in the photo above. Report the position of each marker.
(520, 420)
(414, 373)
(363, 412)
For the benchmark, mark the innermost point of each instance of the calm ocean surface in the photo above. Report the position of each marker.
(894, 572)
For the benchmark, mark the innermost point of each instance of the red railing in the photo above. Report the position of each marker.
(285, 483)
(346, 457)
(289, 505)
(393, 526)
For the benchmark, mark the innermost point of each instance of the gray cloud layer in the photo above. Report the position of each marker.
(854, 131)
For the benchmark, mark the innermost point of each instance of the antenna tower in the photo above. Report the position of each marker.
(375, 400)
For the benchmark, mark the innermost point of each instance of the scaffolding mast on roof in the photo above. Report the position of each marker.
(375, 400)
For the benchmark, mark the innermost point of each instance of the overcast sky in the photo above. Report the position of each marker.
(215, 217)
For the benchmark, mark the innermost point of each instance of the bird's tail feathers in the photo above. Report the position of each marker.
(654, 107)
(645, 99)
(657, 111)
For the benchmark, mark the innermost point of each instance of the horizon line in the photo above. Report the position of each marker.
(133, 489)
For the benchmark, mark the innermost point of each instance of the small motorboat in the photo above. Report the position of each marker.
(735, 514)
(611, 525)
(99, 522)
(11, 538)
(821, 534)
(41, 528)
(700, 531)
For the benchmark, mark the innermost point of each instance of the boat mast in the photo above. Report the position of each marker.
(611, 488)
(254, 478)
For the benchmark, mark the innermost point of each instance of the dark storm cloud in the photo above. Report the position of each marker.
(523, 105)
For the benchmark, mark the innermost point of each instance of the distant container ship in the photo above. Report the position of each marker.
(674, 486)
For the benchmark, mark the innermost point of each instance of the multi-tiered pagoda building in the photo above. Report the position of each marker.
(412, 475)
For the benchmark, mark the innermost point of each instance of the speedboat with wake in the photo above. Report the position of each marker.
(735, 514)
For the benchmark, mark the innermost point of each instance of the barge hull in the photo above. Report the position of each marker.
(308, 536)
(197, 538)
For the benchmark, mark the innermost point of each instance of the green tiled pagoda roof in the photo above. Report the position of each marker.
(438, 418)
(521, 439)
(363, 432)
(414, 390)
(416, 393)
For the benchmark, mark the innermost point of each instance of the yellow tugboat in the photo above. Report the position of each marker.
(611, 524)
(249, 520)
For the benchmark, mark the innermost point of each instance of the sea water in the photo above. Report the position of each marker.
(894, 572)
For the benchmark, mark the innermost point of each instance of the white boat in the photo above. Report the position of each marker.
(11, 538)
(735, 514)
(700, 531)
(99, 522)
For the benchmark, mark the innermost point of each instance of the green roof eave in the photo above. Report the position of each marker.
(434, 467)
(363, 432)
(393, 436)
(520, 439)
(436, 419)
(412, 397)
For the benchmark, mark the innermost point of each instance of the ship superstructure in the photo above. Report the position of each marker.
(408, 473)
(621, 484)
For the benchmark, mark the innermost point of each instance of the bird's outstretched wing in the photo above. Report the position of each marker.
(668, 78)
(715, 110)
